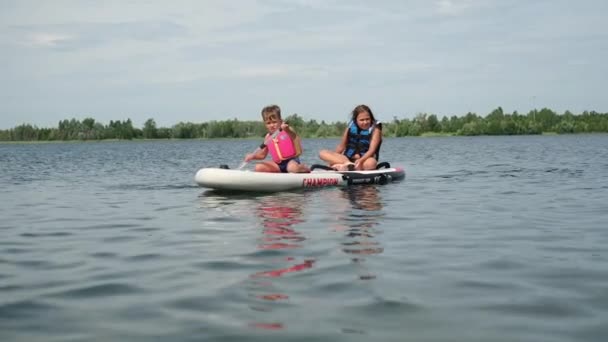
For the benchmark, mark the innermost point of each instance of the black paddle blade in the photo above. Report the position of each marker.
(224, 166)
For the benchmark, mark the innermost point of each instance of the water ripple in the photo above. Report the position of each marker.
(541, 307)
(100, 290)
(25, 309)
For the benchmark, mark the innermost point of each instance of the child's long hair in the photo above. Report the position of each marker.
(272, 112)
(360, 109)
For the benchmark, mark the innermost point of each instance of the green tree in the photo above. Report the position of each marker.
(150, 130)
(433, 123)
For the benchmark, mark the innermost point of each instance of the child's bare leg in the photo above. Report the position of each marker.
(331, 157)
(267, 166)
(295, 167)
(369, 164)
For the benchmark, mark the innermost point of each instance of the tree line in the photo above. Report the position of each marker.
(495, 123)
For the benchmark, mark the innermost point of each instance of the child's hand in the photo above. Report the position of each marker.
(249, 157)
(359, 164)
(284, 126)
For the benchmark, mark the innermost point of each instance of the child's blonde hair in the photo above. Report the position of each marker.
(271, 113)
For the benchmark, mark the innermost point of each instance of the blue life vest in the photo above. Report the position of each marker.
(358, 140)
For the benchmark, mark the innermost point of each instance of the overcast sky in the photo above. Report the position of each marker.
(214, 60)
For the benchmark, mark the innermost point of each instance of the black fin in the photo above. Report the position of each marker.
(385, 165)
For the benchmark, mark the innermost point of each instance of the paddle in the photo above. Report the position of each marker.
(259, 148)
(243, 165)
(247, 162)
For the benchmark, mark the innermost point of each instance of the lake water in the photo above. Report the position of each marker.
(487, 239)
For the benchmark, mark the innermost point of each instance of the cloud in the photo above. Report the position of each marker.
(45, 39)
(454, 7)
(272, 71)
(84, 35)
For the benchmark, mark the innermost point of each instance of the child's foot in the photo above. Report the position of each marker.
(339, 167)
(344, 167)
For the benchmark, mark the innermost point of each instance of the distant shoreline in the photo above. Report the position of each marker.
(424, 135)
(497, 122)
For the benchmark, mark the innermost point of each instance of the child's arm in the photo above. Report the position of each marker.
(342, 145)
(260, 154)
(293, 135)
(373, 146)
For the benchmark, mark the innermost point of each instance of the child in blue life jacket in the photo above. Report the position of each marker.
(360, 144)
(283, 144)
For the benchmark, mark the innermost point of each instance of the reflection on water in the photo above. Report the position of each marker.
(285, 255)
(366, 198)
(360, 224)
(278, 216)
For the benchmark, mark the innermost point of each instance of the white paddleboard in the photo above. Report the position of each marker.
(244, 180)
